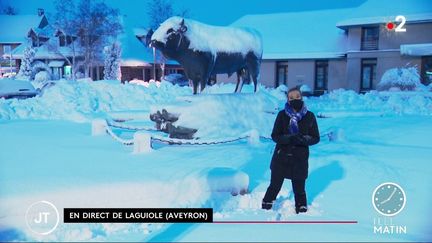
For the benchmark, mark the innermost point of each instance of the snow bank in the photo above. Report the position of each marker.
(374, 103)
(213, 38)
(82, 101)
(216, 113)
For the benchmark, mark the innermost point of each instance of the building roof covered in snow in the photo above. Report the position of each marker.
(382, 11)
(14, 28)
(302, 35)
(49, 50)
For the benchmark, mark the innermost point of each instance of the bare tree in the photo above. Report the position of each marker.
(65, 24)
(90, 25)
(98, 24)
(159, 11)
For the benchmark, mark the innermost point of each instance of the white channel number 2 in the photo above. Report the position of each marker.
(402, 20)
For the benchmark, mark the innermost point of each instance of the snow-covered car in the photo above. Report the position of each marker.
(176, 78)
(21, 89)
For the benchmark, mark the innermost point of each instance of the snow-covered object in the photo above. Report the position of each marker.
(138, 82)
(42, 76)
(213, 39)
(142, 143)
(424, 49)
(99, 127)
(112, 69)
(39, 66)
(228, 180)
(10, 88)
(25, 71)
(304, 88)
(254, 137)
(401, 78)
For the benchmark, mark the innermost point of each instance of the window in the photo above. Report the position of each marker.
(426, 72)
(62, 40)
(321, 75)
(282, 74)
(35, 42)
(7, 49)
(147, 74)
(369, 39)
(368, 74)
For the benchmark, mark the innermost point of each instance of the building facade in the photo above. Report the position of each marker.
(344, 48)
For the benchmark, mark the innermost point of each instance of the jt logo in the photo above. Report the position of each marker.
(42, 215)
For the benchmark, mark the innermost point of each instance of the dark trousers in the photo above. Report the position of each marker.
(276, 184)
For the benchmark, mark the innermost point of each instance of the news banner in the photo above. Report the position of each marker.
(138, 215)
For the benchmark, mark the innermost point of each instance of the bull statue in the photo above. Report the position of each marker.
(205, 50)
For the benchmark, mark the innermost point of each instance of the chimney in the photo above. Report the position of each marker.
(41, 11)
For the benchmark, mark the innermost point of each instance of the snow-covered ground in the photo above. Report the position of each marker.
(47, 153)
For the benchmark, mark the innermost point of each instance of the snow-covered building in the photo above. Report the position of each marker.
(137, 59)
(342, 48)
(53, 48)
(14, 29)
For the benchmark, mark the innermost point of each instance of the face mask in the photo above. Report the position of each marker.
(296, 104)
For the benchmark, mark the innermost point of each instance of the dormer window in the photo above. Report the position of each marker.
(65, 40)
(62, 40)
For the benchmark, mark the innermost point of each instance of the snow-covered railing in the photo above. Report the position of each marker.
(101, 126)
(142, 142)
(121, 125)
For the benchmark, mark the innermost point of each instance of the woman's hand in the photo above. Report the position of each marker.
(304, 140)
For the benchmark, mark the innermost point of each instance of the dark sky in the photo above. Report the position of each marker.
(221, 12)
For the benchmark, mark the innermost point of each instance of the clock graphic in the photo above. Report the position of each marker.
(388, 199)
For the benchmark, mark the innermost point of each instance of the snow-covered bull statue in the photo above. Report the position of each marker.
(204, 50)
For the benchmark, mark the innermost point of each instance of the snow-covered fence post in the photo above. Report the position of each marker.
(99, 127)
(254, 137)
(142, 143)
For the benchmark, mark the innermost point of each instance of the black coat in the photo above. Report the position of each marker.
(291, 154)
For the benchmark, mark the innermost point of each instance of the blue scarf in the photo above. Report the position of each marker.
(295, 117)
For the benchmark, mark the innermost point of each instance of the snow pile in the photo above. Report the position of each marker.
(226, 115)
(400, 79)
(216, 113)
(228, 180)
(82, 101)
(213, 39)
(349, 103)
(42, 76)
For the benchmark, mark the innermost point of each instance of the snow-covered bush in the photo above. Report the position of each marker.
(42, 76)
(39, 66)
(25, 71)
(400, 79)
(112, 62)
